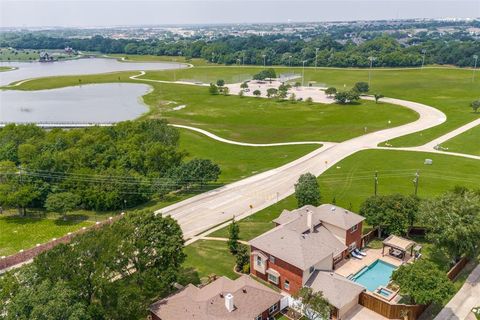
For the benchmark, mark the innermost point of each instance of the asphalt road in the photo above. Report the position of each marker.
(245, 197)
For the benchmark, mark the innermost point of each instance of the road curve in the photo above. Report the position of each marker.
(245, 197)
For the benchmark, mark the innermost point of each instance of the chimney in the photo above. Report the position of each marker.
(309, 220)
(229, 302)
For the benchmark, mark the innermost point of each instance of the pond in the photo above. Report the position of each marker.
(94, 103)
(29, 70)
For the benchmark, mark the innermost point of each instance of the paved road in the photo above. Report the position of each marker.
(467, 298)
(245, 197)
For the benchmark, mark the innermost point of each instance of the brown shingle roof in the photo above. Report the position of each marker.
(208, 303)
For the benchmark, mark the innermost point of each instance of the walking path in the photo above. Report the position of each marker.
(467, 298)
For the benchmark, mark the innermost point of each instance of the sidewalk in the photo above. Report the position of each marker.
(467, 298)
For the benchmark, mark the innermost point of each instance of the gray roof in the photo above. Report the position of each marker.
(285, 242)
(338, 290)
(250, 299)
(328, 213)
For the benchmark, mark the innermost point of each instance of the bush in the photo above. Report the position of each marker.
(361, 87)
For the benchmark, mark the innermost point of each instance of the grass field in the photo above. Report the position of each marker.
(239, 162)
(210, 257)
(251, 119)
(467, 142)
(451, 90)
(152, 58)
(23, 233)
(7, 54)
(350, 182)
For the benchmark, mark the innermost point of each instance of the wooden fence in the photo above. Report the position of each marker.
(391, 310)
(366, 238)
(455, 270)
(26, 255)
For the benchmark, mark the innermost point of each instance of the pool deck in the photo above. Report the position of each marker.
(352, 265)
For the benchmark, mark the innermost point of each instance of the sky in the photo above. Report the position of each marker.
(89, 13)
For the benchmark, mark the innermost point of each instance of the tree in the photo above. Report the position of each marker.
(330, 91)
(233, 236)
(225, 91)
(394, 214)
(453, 222)
(423, 283)
(220, 83)
(213, 89)
(309, 100)
(307, 190)
(377, 97)
(297, 85)
(475, 105)
(292, 98)
(264, 74)
(361, 87)
(272, 92)
(242, 258)
(244, 85)
(257, 93)
(241, 94)
(312, 304)
(196, 172)
(62, 203)
(344, 97)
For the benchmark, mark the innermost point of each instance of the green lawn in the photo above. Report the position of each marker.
(22, 233)
(467, 142)
(250, 119)
(239, 162)
(350, 182)
(210, 257)
(448, 89)
(152, 58)
(3, 69)
(7, 54)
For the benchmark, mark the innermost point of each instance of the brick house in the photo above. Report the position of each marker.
(223, 299)
(305, 245)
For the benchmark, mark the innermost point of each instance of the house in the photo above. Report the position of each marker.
(240, 299)
(303, 249)
(45, 57)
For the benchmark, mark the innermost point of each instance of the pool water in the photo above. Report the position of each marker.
(375, 275)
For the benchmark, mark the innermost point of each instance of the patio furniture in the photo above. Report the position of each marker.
(357, 251)
(398, 246)
(357, 256)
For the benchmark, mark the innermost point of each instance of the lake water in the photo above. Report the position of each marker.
(81, 104)
(94, 103)
(29, 70)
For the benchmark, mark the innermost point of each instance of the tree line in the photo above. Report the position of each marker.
(276, 49)
(99, 168)
(114, 272)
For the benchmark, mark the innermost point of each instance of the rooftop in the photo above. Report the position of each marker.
(250, 298)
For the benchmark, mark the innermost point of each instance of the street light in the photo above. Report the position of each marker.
(316, 56)
(370, 71)
(475, 57)
(303, 72)
(290, 61)
(424, 51)
(264, 61)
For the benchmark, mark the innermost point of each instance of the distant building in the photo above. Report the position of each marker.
(45, 57)
(69, 50)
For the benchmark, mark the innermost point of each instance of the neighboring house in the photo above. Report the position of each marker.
(44, 57)
(305, 245)
(240, 299)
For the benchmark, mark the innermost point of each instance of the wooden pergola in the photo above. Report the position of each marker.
(398, 246)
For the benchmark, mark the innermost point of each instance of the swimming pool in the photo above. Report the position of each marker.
(375, 275)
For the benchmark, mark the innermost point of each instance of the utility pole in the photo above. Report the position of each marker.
(264, 61)
(290, 61)
(316, 57)
(424, 51)
(243, 59)
(475, 57)
(376, 182)
(303, 72)
(415, 182)
(370, 70)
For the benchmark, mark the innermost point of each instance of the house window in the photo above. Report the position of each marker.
(259, 261)
(272, 278)
(272, 259)
(273, 308)
(259, 317)
(354, 228)
(352, 246)
(312, 268)
(286, 284)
